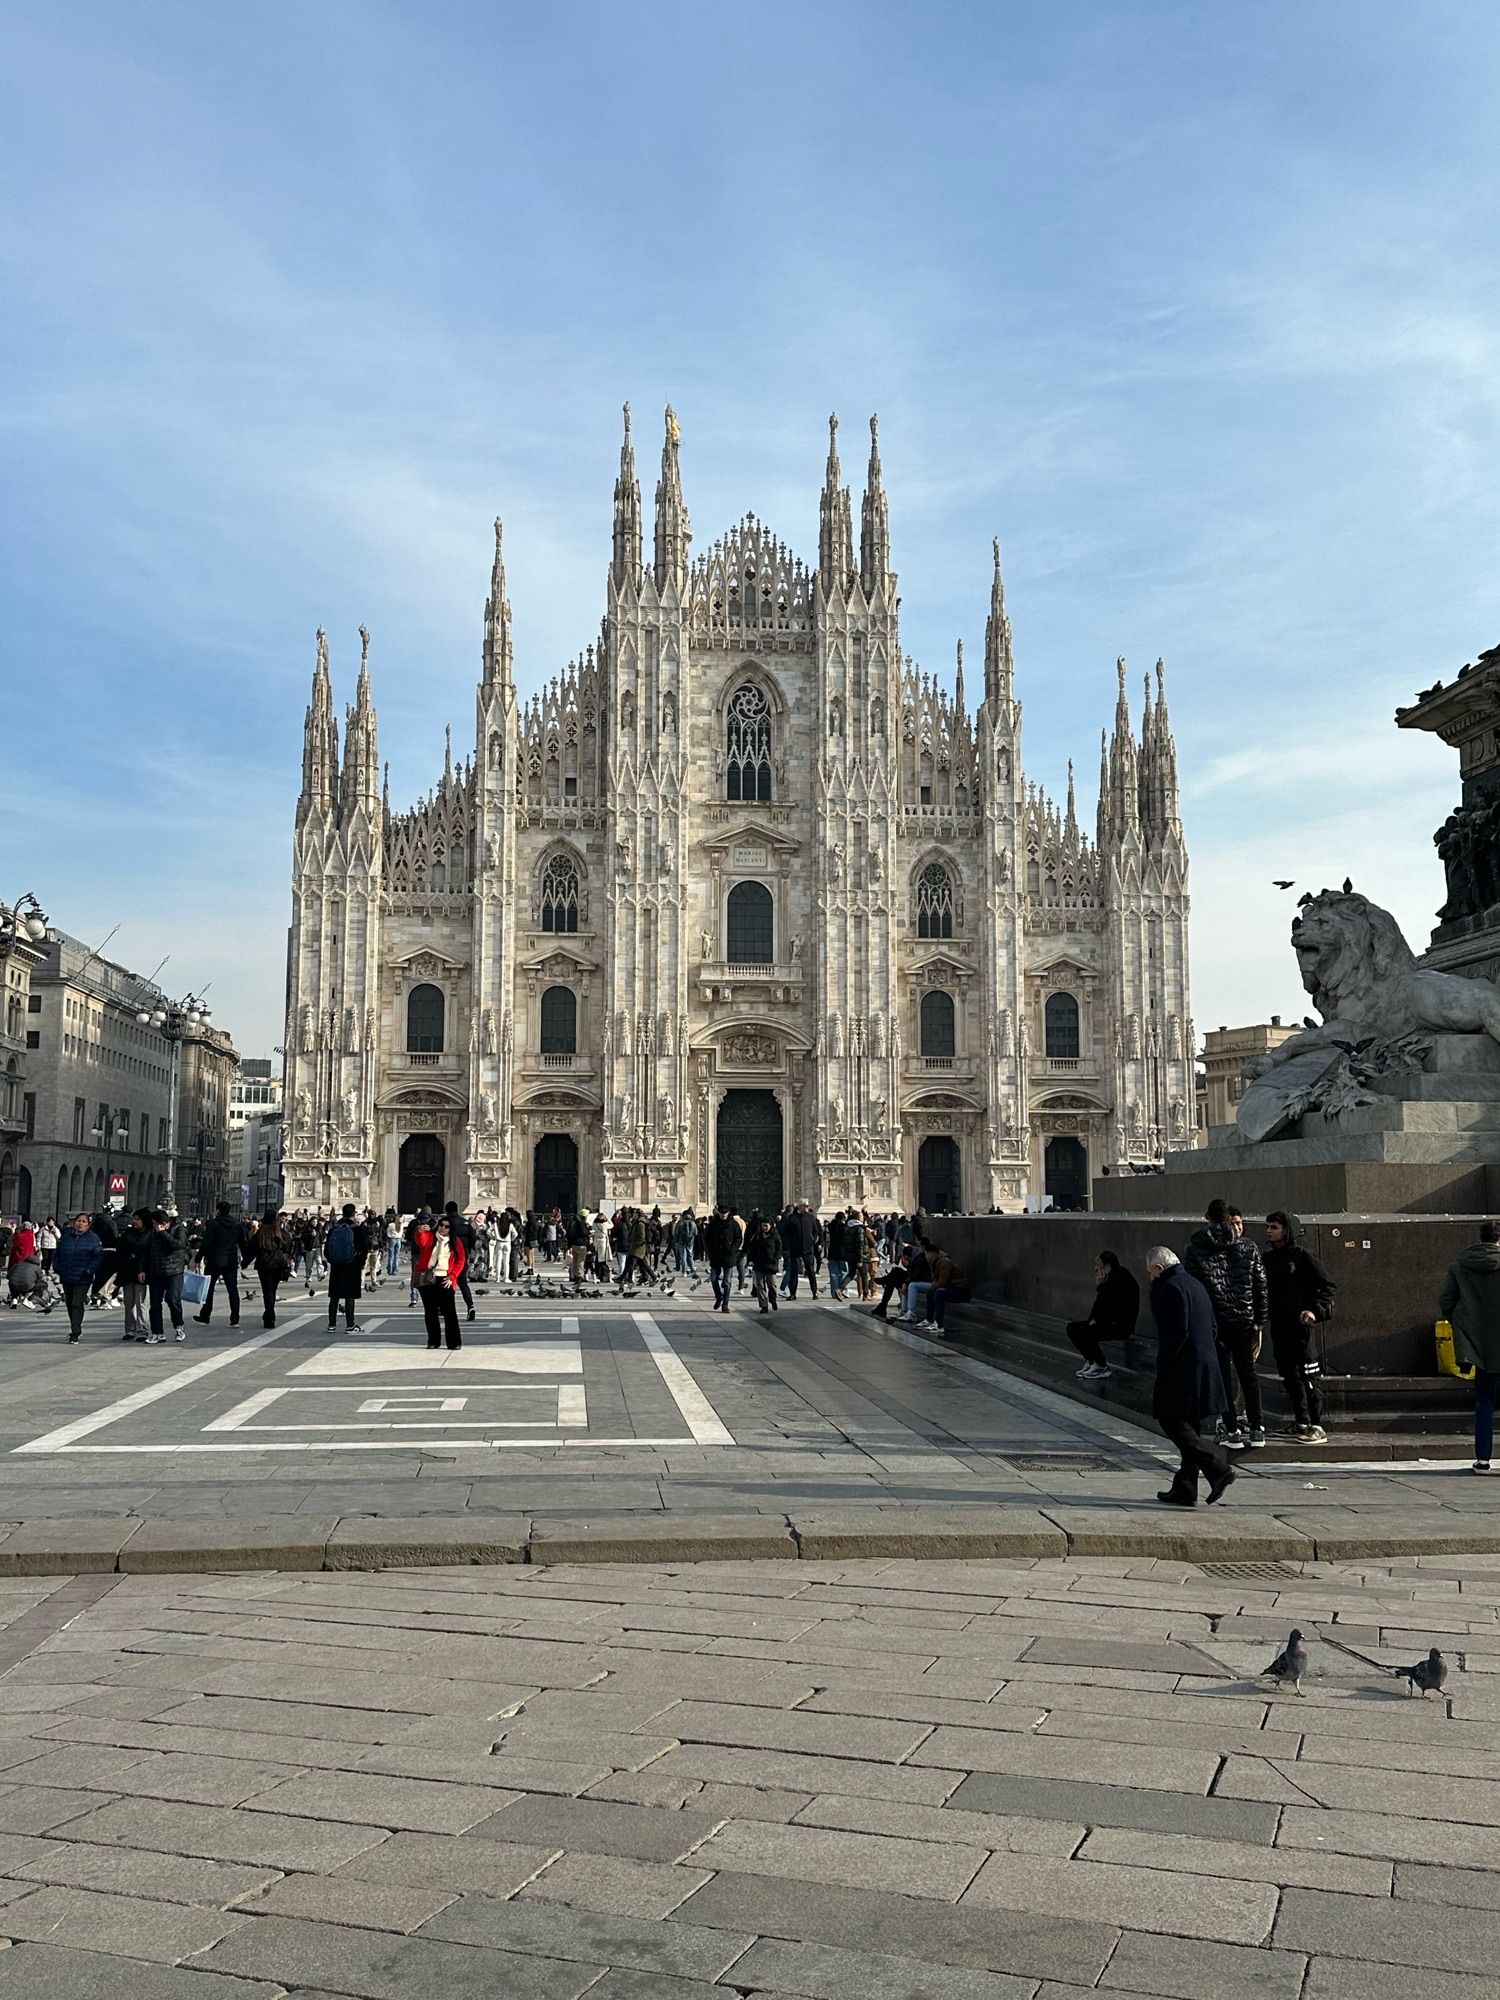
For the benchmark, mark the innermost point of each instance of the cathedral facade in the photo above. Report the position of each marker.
(741, 905)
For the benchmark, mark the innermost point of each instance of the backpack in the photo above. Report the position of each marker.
(341, 1244)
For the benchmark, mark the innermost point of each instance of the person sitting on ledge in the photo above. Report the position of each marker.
(894, 1280)
(1116, 1307)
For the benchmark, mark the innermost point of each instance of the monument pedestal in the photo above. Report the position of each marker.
(1416, 1149)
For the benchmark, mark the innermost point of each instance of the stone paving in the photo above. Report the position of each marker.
(875, 1780)
(605, 1429)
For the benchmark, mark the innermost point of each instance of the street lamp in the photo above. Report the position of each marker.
(175, 1019)
(105, 1130)
(25, 918)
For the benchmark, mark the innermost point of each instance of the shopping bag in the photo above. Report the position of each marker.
(194, 1287)
(1447, 1358)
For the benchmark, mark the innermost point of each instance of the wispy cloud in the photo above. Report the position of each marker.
(296, 303)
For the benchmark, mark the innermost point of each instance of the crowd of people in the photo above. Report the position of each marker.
(154, 1263)
(1212, 1307)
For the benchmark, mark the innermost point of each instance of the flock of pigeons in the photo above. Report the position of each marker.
(1290, 1665)
(539, 1287)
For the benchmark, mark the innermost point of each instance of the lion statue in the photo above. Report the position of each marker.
(1366, 983)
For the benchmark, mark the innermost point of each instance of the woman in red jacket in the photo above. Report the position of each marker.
(439, 1263)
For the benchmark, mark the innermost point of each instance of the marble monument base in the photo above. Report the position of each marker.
(1417, 1149)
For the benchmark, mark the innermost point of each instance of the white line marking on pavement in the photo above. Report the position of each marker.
(411, 1444)
(698, 1413)
(568, 1401)
(528, 1357)
(62, 1439)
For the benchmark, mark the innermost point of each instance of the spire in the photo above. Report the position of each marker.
(320, 739)
(499, 651)
(361, 762)
(958, 683)
(835, 521)
(875, 522)
(999, 664)
(1101, 828)
(626, 566)
(674, 530)
(447, 755)
(1124, 767)
(1167, 816)
(1072, 818)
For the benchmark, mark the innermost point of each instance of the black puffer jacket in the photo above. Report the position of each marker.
(1296, 1281)
(1230, 1270)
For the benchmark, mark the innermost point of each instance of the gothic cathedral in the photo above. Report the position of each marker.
(741, 905)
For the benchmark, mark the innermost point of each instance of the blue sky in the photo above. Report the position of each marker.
(1194, 306)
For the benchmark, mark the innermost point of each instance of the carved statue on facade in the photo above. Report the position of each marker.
(796, 950)
(488, 1037)
(707, 946)
(309, 1033)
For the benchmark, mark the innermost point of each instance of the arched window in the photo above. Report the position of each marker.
(937, 1025)
(749, 744)
(752, 930)
(424, 1021)
(934, 902)
(1061, 1019)
(1033, 877)
(559, 1021)
(560, 895)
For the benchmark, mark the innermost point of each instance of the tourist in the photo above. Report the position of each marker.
(1116, 1307)
(894, 1281)
(764, 1251)
(1470, 1301)
(462, 1231)
(1228, 1266)
(166, 1260)
(580, 1242)
(1300, 1297)
(840, 1256)
(47, 1240)
(345, 1251)
(134, 1248)
(636, 1245)
(1189, 1389)
(723, 1242)
(918, 1281)
(270, 1251)
(79, 1256)
(684, 1235)
(223, 1240)
(945, 1275)
(392, 1244)
(442, 1265)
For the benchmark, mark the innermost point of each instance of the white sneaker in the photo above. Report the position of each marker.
(1085, 1371)
(181, 1333)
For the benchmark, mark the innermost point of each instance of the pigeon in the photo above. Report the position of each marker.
(1290, 1665)
(1428, 1673)
(1283, 885)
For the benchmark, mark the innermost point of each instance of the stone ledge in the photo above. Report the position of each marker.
(130, 1546)
(937, 1533)
(426, 1541)
(664, 1538)
(289, 1541)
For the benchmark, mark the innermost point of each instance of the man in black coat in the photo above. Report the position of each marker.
(223, 1240)
(1116, 1308)
(1189, 1391)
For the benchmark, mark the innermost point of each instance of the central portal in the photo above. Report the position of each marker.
(749, 1152)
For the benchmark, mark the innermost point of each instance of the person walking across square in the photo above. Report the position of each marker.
(79, 1255)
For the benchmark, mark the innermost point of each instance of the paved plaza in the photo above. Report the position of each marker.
(598, 1429)
(877, 1780)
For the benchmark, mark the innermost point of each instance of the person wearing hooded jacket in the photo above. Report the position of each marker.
(1299, 1294)
(1229, 1268)
(1470, 1300)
